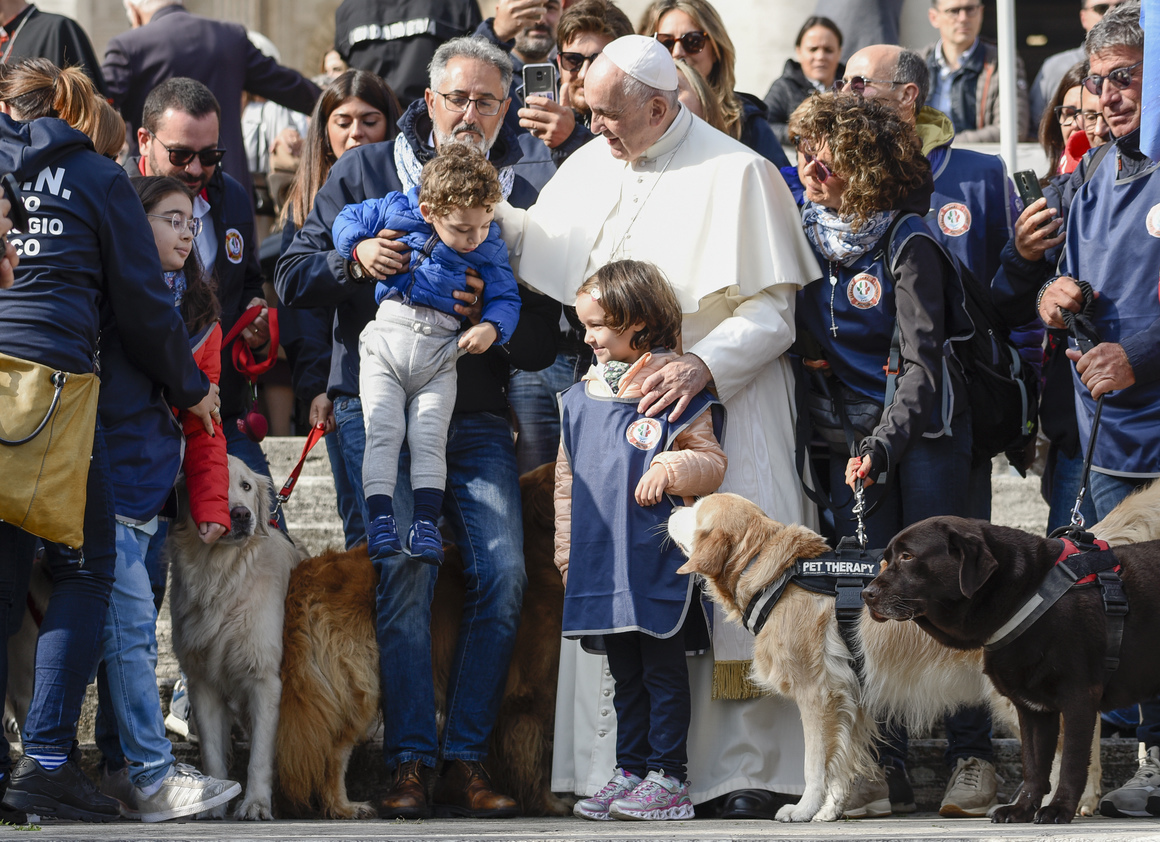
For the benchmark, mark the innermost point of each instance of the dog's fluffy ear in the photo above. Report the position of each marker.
(798, 541)
(712, 550)
(976, 563)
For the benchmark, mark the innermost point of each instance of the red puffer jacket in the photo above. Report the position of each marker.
(207, 473)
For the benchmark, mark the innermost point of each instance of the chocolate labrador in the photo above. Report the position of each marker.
(962, 580)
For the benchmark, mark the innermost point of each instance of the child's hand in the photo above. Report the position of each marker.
(208, 409)
(476, 340)
(382, 255)
(652, 485)
(210, 532)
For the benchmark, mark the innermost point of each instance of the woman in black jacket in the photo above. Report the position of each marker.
(816, 64)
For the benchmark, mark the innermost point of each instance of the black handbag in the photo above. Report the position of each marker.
(838, 415)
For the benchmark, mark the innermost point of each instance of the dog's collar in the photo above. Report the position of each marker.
(1075, 566)
(820, 575)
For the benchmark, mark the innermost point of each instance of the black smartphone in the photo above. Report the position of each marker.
(540, 80)
(1027, 185)
(18, 214)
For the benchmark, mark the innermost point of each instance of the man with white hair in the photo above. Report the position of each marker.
(659, 184)
(167, 41)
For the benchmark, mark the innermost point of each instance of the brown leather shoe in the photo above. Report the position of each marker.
(464, 789)
(407, 799)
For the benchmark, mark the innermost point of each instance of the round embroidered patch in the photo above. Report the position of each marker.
(864, 291)
(644, 433)
(234, 245)
(954, 219)
(1152, 221)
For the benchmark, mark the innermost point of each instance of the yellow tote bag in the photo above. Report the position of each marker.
(47, 420)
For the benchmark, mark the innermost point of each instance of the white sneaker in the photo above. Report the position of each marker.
(184, 791)
(972, 791)
(118, 787)
(179, 720)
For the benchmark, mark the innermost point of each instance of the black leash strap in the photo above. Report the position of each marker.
(1086, 337)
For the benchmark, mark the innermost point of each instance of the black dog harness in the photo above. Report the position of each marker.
(1084, 561)
(841, 574)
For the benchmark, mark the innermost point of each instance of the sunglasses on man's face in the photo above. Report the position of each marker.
(572, 62)
(1121, 77)
(184, 157)
(858, 84)
(691, 42)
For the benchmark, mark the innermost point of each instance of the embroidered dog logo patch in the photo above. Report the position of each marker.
(864, 291)
(644, 433)
(1152, 221)
(954, 219)
(234, 245)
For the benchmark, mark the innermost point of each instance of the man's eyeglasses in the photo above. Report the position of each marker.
(487, 107)
(968, 11)
(183, 157)
(691, 42)
(180, 222)
(858, 84)
(572, 62)
(1121, 77)
(1091, 116)
(1067, 114)
(1099, 8)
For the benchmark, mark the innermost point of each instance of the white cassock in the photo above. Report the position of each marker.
(721, 224)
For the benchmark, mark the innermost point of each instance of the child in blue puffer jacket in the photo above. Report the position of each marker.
(407, 354)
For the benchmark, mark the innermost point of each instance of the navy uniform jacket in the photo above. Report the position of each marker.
(311, 273)
(217, 54)
(89, 250)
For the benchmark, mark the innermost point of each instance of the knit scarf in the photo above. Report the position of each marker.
(613, 372)
(834, 235)
(409, 168)
(176, 283)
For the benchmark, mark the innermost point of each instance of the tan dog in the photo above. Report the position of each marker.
(800, 653)
(227, 602)
(330, 671)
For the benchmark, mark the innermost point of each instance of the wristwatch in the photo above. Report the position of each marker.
(355, 270)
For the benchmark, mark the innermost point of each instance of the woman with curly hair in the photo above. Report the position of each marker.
(693, 32)
(888, 300)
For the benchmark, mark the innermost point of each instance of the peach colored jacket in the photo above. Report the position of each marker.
(695, 467)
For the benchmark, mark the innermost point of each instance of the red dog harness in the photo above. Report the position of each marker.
(1084, 561)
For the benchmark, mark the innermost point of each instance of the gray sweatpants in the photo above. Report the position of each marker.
(407, 384)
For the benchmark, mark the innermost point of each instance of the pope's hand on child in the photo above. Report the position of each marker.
(472, 308)
(652, 485)
(477, 339)
(210, 532)
(383, 254)
(208, 408)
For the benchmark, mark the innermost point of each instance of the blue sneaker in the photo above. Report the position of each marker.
(383, 537)
(425, 542)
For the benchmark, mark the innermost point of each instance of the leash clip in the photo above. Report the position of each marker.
(858, 510)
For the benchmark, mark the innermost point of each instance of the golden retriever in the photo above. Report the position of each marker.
(330, 671)
(800, 653)
(227, 601)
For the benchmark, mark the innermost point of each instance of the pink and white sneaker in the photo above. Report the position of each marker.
(596, 807)
(657, 798)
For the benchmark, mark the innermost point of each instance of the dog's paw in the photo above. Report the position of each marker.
(255, 810)
(794, 813)
(1055, 814)
(1087, 806)
(1012, 814)
(364, 810)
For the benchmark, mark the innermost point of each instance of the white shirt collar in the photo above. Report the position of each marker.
(945, 69)
(669, 141)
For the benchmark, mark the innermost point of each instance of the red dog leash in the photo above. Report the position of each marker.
(314, 437)
(253, 424)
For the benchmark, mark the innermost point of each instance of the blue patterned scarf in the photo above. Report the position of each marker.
(835, 237)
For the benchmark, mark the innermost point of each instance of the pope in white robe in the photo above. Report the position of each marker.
(659, 184)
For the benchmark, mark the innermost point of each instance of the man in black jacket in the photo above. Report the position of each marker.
(179, 138)
(167, 41)
(465, 103)
(31, 33)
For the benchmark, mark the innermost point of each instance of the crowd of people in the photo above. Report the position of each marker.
(470, 282)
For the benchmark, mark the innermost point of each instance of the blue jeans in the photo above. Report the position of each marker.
(240, 445)
(1065, 475)
(482, 505)
(130, 667)
(532, 395)
(351, 437)
(353, 527)
(70, 633)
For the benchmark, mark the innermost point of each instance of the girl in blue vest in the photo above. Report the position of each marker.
(618, 476)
